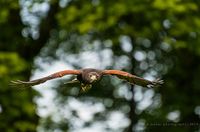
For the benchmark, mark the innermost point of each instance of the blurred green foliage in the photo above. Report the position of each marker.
(169, 29)
(17, 110)
(16, 107)
(137, 19)
(11, 61)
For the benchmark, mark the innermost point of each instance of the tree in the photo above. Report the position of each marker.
(16, 56)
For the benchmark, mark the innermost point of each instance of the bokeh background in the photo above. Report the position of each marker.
(149, 38)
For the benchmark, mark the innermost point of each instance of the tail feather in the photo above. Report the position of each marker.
(74, 81)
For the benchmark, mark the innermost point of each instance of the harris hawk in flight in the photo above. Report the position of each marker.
(88, 76)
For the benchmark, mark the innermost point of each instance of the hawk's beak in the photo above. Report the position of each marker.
(93, 78)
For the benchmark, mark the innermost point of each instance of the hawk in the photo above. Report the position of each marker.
(88, 76)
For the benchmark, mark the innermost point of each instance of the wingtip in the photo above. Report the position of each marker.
(13, 83)
(156, 83)
(159, 81)
(18, 83)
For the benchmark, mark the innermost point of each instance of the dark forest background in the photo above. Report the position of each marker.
(149, 38)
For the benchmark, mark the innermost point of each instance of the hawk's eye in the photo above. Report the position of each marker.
(92, 75)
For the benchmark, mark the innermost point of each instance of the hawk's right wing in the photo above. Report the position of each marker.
(44, 79)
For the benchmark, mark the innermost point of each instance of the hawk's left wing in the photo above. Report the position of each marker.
(133, 79)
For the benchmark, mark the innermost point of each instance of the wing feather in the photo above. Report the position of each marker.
(133, 79)
(44, 79)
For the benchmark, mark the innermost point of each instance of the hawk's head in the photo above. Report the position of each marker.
(93, 77)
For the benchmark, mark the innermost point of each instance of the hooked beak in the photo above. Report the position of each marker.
(93, 78)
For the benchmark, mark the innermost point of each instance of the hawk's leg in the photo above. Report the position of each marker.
(85, 87)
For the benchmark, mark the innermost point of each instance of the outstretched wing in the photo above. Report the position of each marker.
(133, 79)
(44, 79)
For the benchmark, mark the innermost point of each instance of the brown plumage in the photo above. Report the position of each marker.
(86, 77)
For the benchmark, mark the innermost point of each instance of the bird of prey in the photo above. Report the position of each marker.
(88, 76)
